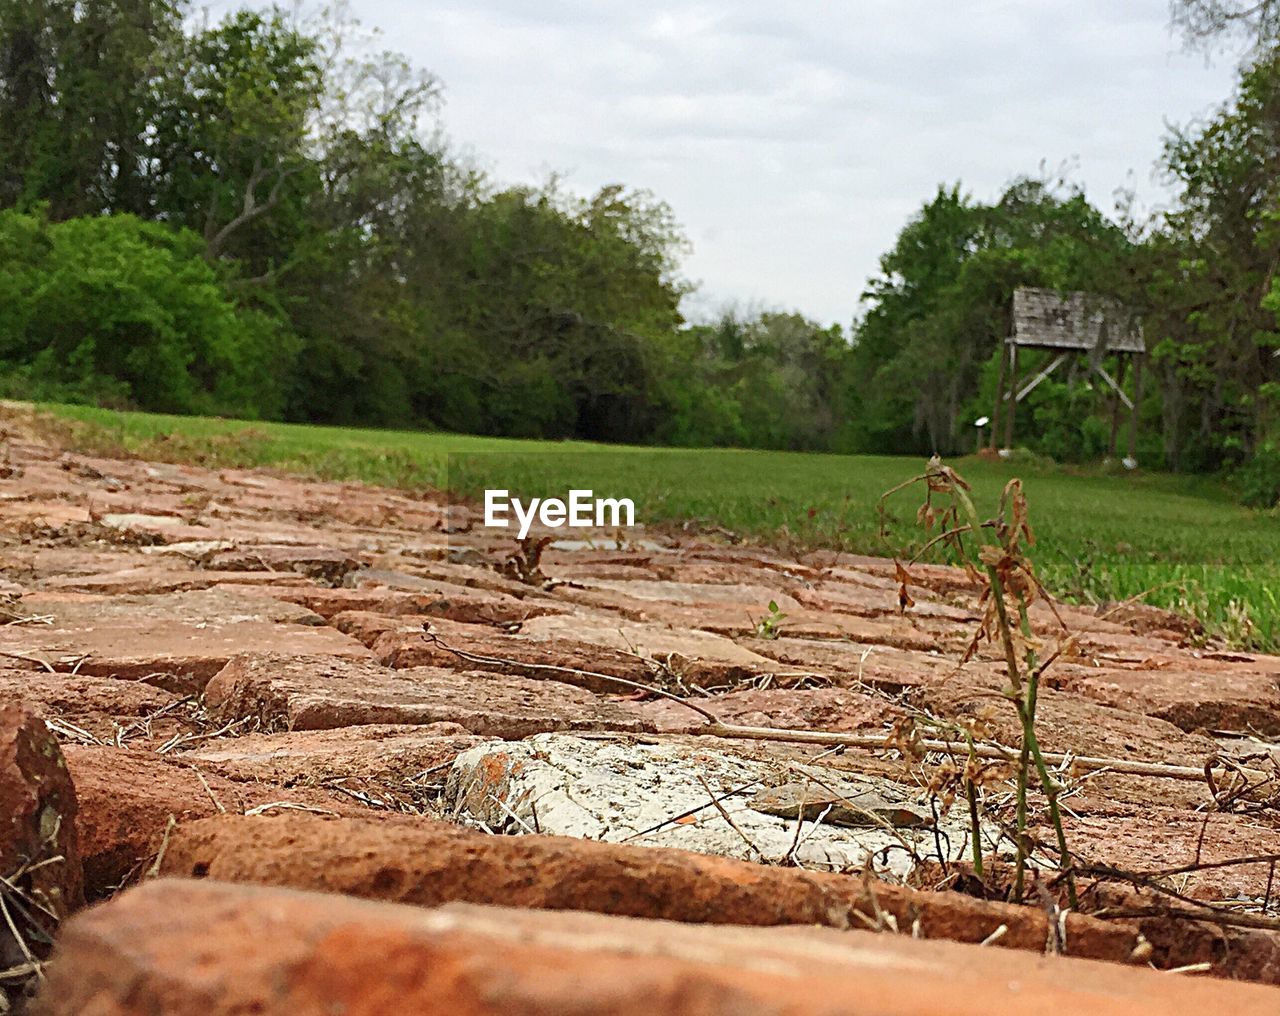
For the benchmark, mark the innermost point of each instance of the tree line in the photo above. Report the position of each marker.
(257, 218)
(1202, 276)
(260, 216)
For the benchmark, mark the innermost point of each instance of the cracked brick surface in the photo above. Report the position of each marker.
(234, 666)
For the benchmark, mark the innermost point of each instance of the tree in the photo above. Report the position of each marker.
(1206, 23)
(768, 380)
(939, 309)
(233, 112)
(1216, 281)
(75, 89)
(118, 308)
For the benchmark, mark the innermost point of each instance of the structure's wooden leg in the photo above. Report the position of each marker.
(1013, 396)
(995, 413)
(1137, 403)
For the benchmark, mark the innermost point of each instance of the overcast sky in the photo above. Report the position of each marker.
(794, 137)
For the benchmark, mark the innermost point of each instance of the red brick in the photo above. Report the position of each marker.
(271, 951)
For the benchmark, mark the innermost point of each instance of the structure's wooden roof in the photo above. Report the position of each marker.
(1049, 320)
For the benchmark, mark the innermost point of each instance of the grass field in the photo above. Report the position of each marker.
(1101, 536)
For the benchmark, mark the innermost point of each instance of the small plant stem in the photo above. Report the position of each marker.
(1024, 700)
(1020, 820)
(1031, 745)
(971, 792)
(997, 591)
(1055, 814)
(1028, 706)
(1033, 664)
(1016, 694)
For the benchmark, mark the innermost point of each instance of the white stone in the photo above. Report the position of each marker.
(616, 789)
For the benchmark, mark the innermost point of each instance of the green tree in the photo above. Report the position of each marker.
(232, 116)
(128, 310)
(1213, 277)
(939, 308)
(76, 80)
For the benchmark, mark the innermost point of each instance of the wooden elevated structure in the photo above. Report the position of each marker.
(1074, 325)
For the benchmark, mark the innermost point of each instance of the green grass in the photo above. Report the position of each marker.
(1101, 536)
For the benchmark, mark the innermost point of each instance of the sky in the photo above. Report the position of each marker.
(793, 138)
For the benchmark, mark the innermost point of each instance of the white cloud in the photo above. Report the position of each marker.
(793, 138)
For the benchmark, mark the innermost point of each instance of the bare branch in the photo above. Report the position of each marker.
(251, 208)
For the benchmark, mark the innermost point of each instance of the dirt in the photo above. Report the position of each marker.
(234, 666)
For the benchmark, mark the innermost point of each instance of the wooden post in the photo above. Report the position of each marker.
(995, 413)
(1013, 395)
(1137, 402)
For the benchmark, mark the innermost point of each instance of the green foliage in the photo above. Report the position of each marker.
(770, 625)
(76, 81)
(127, 311)
(230, 115)
(1209, 270)
(393, 285)
(940, 307)
(1259, 478)
(773, 381)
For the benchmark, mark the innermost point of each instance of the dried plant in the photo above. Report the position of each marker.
(992, 553)
(525, 563)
